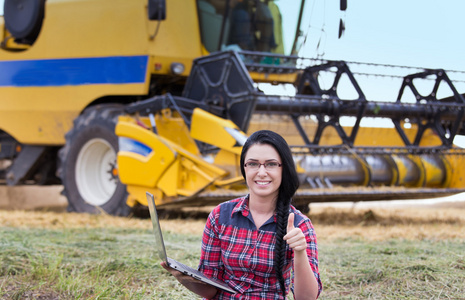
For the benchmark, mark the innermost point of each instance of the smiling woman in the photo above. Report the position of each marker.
(254, 242)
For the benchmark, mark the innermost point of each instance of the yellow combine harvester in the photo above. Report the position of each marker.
(182, 83)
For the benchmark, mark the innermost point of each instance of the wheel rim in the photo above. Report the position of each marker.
(94, 172)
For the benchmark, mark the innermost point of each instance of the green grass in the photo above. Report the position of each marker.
(393, 269)
(121, 264)
(88, 264)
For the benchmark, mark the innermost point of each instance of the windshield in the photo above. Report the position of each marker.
(253, 25)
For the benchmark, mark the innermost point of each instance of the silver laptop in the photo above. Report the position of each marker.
(173, 263)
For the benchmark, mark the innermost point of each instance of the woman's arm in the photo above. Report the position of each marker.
(200, 288)
(305, 283)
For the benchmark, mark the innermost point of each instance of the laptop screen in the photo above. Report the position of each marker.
(159, 244)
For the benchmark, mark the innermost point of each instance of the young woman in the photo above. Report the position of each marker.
(252, 243)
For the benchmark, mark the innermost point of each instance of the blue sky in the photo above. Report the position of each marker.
(419, 33)
(409, 32)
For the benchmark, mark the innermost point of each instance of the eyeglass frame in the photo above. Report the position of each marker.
(264, 164)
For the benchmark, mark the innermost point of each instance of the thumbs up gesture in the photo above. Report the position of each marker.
(295, 238)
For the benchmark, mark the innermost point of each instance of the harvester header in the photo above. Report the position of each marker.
(401, 163)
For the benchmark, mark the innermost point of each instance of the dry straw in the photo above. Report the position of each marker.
(435, 223)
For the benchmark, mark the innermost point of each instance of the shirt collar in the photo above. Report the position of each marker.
(243, 207)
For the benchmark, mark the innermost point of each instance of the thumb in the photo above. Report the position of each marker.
(290, 222)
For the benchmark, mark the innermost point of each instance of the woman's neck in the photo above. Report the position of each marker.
(261, 209)
(262, 206)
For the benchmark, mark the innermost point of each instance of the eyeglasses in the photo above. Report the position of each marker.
(270, 166)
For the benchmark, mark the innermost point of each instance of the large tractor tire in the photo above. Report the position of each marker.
(88, 168)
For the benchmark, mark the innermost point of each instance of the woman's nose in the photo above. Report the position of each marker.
(262, 169)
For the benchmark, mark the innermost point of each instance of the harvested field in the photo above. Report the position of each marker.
(423, 222)
(381, 224)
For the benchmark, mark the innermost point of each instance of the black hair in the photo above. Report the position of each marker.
(287, 189)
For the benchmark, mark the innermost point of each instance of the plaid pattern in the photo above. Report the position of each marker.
(234, 251)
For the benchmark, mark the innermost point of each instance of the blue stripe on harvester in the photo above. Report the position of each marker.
(74, 71)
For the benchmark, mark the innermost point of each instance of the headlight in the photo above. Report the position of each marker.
(177, 68)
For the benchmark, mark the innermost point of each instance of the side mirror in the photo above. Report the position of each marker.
(23, 19)
(157, 9)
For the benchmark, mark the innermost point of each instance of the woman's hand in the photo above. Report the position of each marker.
(178, 275)
(200, 288)
(295, 238)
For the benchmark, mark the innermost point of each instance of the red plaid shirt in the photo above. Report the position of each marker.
(234, 251)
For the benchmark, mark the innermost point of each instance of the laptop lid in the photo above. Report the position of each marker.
(160, 248)
(160, 245)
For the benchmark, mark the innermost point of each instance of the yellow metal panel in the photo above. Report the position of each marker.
(137, 169)
(87, 28)
(172, 127)
(400, 170)
(169, 182)
(273, 78)
(456, 174)
(43, 115)
(178, 38)
(137, 195)
(434, 175)
(170, 168)
(194, 178)
(228, 159)
(210, 129)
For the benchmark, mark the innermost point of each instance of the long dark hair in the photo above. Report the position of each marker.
(287, 189)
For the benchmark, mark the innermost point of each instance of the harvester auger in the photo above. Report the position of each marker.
(191, 155)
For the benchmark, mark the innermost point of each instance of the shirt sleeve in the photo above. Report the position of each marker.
(210, 257)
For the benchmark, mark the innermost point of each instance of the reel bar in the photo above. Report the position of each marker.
(333, 106)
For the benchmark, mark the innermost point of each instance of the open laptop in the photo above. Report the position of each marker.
(173, 263)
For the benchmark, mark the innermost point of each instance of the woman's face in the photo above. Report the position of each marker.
(262, 182)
